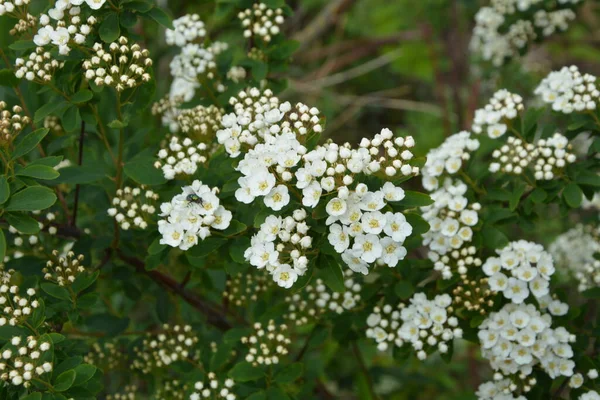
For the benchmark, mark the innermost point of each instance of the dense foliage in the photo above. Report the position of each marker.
(194, 208)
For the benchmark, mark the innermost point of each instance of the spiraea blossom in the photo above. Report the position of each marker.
(261, 22)
(493, 117)
(197, 63)
(427, 325)
(213, 388)
(22, 360)
(451, 219)
(266, 344)
(38, 67)
(568, 90)
(245, 288)
(180, 157)
(63, 270)
(12, 123)
(521, 268)
(449, 158)
(503, 389)
(191, 215)
(280, 246)
(15, 309)
(123, 66)
(187, 29)
(133, 207)
(200, 122)
(519, 337)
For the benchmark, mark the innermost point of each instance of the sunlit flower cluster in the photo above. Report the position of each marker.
(503, 389)
(267, 343)
(521, 268)
(23, 360)
(159, 350)
(316, 299)
(123, 66)
(428, 325)
(518, 337)
(180, 157)
(261, 22)
(187, 29)
(38, 66)
(197, 63)
(63, 270)
(448, 158)
(133, 207)
(492, 119)
(280, 246)
(568, 90)
(213, 388)
(11, 123)
(451, 219)
(191, 215)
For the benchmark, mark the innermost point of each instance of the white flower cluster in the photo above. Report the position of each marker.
(197, 63)
(213, 389)
(266, 344)
(258, 114)
(494, 41)
(168, 107)
(518, 337)
(15, 309)
(503, 106)
(133, 207)
(63, 270)
(122, 66)
(174, 343)
(190, 216)
(280, 246)
(13, 8)
(180, 157)
(503, 389)
(39, 66)
(521, 268)
(428, 325)
(569, 90)
(63, 26)
(21, 360)
(315, 299)
(576, 246)
(513, 157)
(362, 233)
(591, 395)
(200, 122)
(187, 29)
(451, 219)
(261, 22)
(448, 158)
(11, 123)
(21, 240)
(236, 74)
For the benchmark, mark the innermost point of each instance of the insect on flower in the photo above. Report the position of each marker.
(194, 198)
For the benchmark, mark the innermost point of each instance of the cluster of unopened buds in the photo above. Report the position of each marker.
(261, 22)
(568, 90)
(187, 29)
(39, 66)
(267, 344)
(180, 157)
(307, 306)
(503, 107)
(11, 123)
(108, 355)
(473, 294)
(24, 24)
(244, 289)
(174, 343)
(280, 246)
(63, 270)
(122, 66)
(213, 389)
(172, 390)
(200, 122)
(133, 207)
(52, 122)
(21, 360)
(15, 309)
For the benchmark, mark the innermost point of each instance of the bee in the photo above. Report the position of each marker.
(194, 198)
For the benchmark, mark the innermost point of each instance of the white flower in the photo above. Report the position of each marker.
(353, 259)
(95, 4)
(311, 195)
(516, 290)
(277, 198)
(397, 227)
(261, 182)
(222, 218)
(338, 237)
(336, 207)
(172, 235)
(368, 246)
(373, 222)
(285, 276)
(392, 252)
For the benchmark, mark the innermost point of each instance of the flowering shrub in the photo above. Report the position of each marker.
(174, 226)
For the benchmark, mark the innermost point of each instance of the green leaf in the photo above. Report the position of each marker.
(332, 274)
(493, 238)
(588, 178)
(161, 17)
(47, 109)
(141, 169)
(32, 396)
(573, 195)
(56, 291)
(538, 195)
(8, 78)
(259, 70)
(109, 29)
(31, 199)
(415, 199)
(593, 293)
(22, 45)
(156, 247)
(29, 142)
(38, 172)
(4, 189)
(84, 373)
(23, 223)
(139, 6)
(71, 119)
(404, 289)
(244, 372)
(260, 395)
(82, 96)
(116, 124)
(275, 393)
(206, 246)
(80, 174)
(2, 245)
(289, 373)
(234, 228)
(107, 323)
(84, 280)
(237, 249)
(64, 381)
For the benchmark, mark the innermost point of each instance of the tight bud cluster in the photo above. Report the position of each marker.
(63, 270)
(267, 344)
(133, 207)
